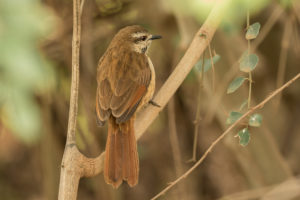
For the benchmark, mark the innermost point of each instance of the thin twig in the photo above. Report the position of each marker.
(200, 80)
(175, 143)
(285, 43)
(249, 49)
(212, 67)
(196, 127)
(249, 112)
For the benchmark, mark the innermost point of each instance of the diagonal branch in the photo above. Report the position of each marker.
(226, 132)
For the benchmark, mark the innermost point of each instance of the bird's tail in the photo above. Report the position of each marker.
(121, 157)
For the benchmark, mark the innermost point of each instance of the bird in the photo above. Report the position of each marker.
(125, 85)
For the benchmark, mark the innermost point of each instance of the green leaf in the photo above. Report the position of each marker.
(233, 116)
(244, 136)
(248, 63)
(255, 120)
(243, 104)
(253, 31)
(235, 84)
(207, 63)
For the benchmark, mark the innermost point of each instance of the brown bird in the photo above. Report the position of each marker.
(126, 82)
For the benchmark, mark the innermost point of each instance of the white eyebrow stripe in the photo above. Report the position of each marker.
(137, 35)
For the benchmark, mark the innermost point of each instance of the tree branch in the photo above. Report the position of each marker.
(249, 112)
(75, 74)
(69, 177)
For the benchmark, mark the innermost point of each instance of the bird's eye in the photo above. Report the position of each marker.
(140, 39)
(143, 38)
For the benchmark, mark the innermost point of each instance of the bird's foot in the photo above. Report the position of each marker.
(154, 103)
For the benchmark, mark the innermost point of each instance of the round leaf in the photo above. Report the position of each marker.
(253, 31)
(244, 136)
(233, 116)
(235, 84)
(248, 63)
(255, 120)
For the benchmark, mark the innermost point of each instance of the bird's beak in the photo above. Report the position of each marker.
(155, 37)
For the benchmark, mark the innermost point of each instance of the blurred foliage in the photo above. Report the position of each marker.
(234, 17)
(287, 3)
(108, 7)
(24, 72)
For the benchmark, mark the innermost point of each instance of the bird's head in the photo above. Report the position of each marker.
(136, 38)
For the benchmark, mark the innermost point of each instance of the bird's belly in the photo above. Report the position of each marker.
(151, 88)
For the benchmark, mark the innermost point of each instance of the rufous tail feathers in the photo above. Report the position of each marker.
(121, 157)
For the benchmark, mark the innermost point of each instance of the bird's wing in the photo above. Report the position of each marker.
(122, 83)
